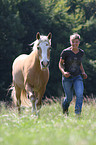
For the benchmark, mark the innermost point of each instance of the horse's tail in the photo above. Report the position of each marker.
(13, 96)
(25, 102)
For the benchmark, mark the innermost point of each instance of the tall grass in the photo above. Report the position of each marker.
(50, 127)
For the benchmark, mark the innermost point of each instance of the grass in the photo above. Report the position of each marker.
(50, 127)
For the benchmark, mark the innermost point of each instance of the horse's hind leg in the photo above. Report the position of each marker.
(18, 94)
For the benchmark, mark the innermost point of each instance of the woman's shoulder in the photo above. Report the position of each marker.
(81, 50)
(65, 52)
(67, 49)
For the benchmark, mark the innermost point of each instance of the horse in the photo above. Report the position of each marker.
(31, 73)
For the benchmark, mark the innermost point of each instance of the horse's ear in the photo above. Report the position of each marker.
(50, 35)
(38, 35)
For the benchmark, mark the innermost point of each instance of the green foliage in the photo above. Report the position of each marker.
(20, 21)
(50, 127)
(11, 33)
(90, 67)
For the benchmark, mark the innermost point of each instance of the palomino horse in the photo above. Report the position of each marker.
(31, 73)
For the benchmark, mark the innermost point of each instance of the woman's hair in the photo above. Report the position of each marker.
(74, 36)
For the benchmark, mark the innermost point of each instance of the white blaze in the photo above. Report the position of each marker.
(44, 46)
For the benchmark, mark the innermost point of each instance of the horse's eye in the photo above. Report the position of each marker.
(38, 47)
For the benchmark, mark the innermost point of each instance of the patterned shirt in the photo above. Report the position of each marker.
(72, 61)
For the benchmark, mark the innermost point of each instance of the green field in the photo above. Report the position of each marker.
(50, 127)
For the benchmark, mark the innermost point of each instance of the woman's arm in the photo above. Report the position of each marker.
(83, 71)
(61, 67)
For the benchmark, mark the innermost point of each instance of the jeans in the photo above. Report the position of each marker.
(68, 85)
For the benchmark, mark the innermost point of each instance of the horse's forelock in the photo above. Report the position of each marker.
(42, 39)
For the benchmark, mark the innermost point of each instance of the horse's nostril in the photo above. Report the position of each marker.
(45, 64)
(42, 62)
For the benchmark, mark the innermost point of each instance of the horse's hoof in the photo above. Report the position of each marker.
(34, 112)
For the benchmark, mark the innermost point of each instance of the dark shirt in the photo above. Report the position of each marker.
(72, 61)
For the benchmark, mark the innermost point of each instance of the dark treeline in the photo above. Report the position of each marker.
(20, 20)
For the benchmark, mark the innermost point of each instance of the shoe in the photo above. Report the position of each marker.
(65, 111)
(78, 115)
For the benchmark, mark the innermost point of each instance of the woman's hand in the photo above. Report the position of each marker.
(84, 75)
(61, 67)
(66, 74)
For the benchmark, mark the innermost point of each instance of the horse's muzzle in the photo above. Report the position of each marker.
(45, 64)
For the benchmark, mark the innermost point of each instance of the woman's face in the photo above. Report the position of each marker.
(75, 43)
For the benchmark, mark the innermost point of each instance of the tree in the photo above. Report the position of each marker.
(11, 33)
(20, 21)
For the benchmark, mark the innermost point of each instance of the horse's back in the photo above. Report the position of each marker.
(17, 70)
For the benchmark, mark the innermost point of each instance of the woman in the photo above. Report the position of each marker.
(71, 67)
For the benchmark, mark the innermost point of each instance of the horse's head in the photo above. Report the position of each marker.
(44, 47)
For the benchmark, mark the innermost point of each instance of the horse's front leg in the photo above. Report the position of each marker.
(40, 95)
(39, 102)
(32, 96)
(33, 101)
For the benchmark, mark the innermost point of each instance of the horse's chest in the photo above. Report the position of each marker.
(38, 80)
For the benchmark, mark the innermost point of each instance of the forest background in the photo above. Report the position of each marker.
(20, 20)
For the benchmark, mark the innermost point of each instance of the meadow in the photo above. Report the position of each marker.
(50, 126)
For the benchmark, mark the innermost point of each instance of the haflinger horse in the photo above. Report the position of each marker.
(31, 73)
